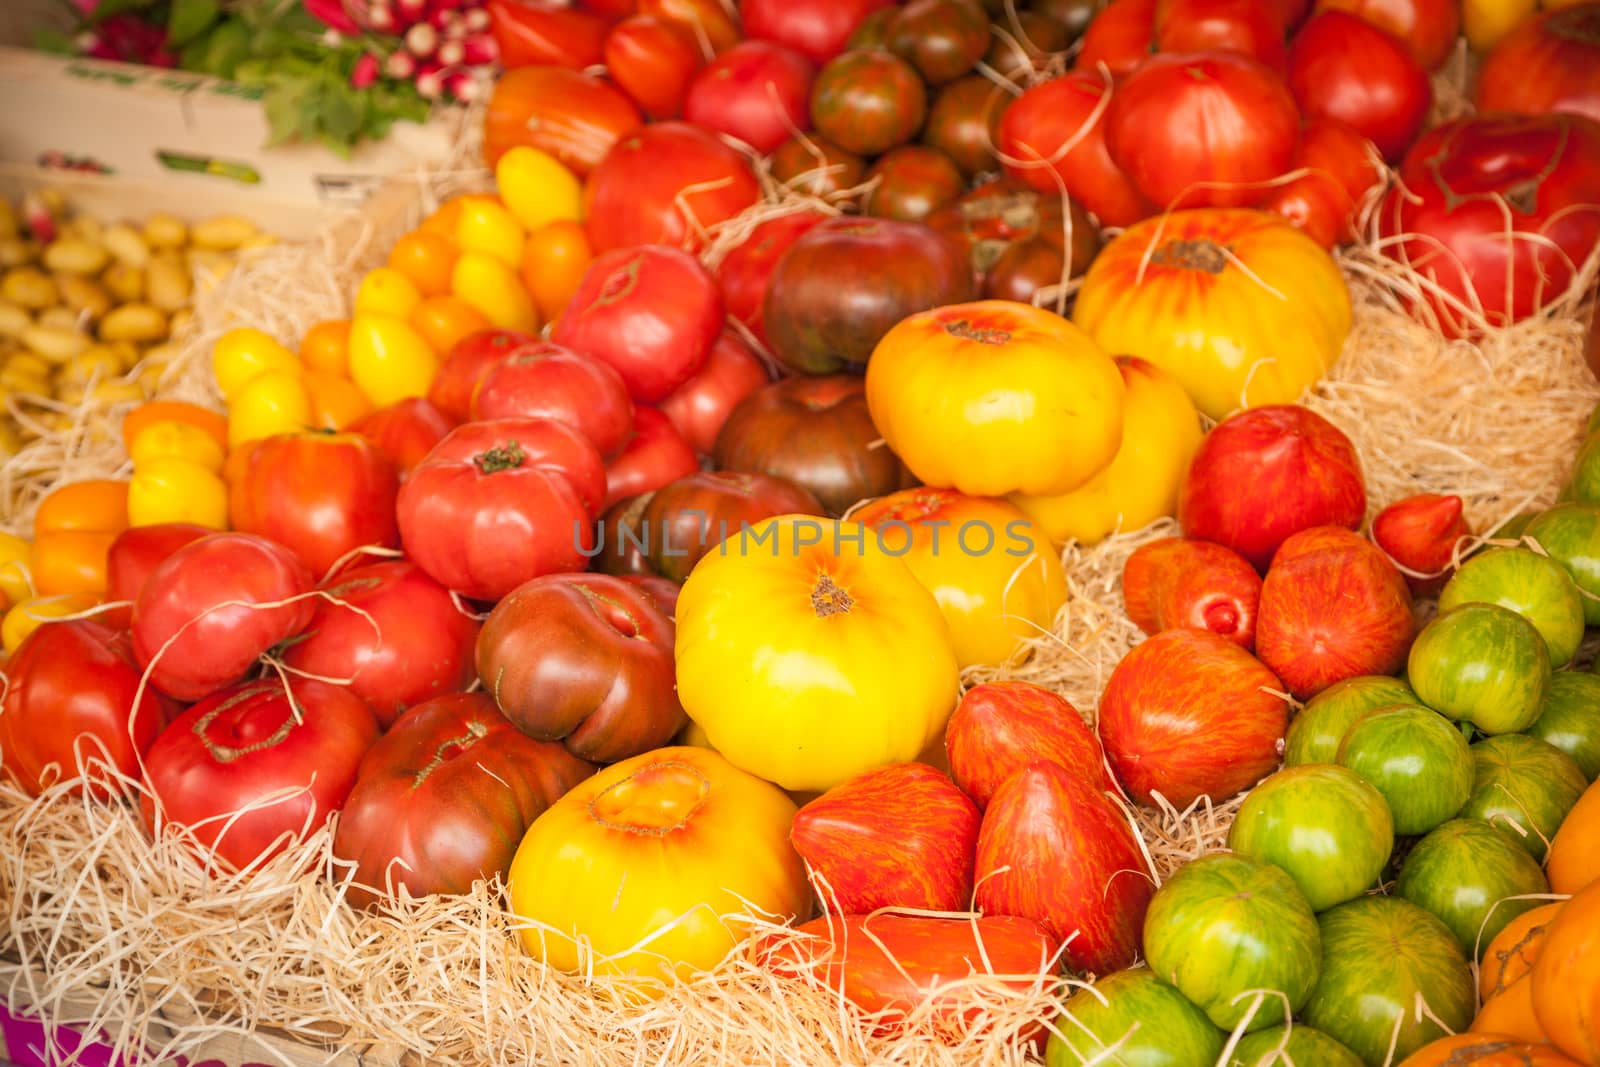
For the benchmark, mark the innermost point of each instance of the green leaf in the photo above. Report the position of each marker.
(108, 8)
(55, 42)
(189, 19)
(286, 105)
(341, 113)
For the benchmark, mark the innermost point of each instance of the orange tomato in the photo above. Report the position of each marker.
(71, 561)
(1574, 858)
(553, 262)
(1514, 950)
(444, 320)
(1511, 1013)
(1485, 1050)
(426, 258)
(93, 504)
(336, 401)
(326, 346)
(1566, 978)
(154, 411)
(443, 221)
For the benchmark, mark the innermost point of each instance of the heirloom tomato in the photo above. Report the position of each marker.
(245, 772)
(405, 431)
(1525, 786)
(544, 380)
(654, 455)
(1001, 727)
(1120, 36)
(996, 397)
(1428, 27)
(639, 864)
(1566, 987)
(868, 101)
(498, 503)
(942, 39)
(534, 33)
(1482, 664)
(1474, 878)
(1343, 67)
(812, 165)
(466, 364)
(135, 553)
(654, 60)
(1416, 758)
(909, 182)
(1182, 582)
(1546, 64)
(1018, 238)
(818, 29)
(994, 574)
(1289, 1046)
(73, 528)
(1209, 295)
(444, 798)
(1132, 1017)
(746, 270)
(1570, 720)
(851, 667)
(573, 116)
(1574, 857)
(1530, 583)
(1340, 172)
(964, 122)
(1248, 27)
(69, 703)
(1482, 1049)
(757, 91)
(700, 407)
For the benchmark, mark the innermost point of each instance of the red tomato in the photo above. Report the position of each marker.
(320, 495)
(576, 117)
(756, 91)
(213, 607)
(704, 20)
(1034, 138)
(1122, 36)
(746, 269)
(656, 455)
(499, 503)
(444, 798)
(136, 552)
(1428, 27)
(1460, 186)
(612, 10)
(544, 380)
(1343, 171)
(465, 366)
(1202, 130)
(69, 701)
(394, 633)
(1244, 26)
(1547, 63)
(667, 184)
(248, 770)
(652, 313)
(405, 431)
(531, 33)
(654, 61)
(1342, 67)
(700, 406)
(818, 29)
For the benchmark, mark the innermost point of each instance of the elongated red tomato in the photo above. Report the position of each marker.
(531, 33)
(653, 60)
(576, 117)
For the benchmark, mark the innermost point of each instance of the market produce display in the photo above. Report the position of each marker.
(867, 532)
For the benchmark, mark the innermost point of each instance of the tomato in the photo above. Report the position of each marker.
(700, 407)
(404, 432)
(1142, 1018)
(1224, 927)
(1341, 172)
(964, 122)
(1454, 672)
(642, 860)
(389, 359)
(531, 33)
(335, 401)
(73, 527)
(498, 503)
(650, 313)
(851, 667)
(1122, 35)
(270, 403)
(553, 263)
(245, 352)
(756, 91)
(544, 380)
(445, 321)
(812, 165)
(654, 60)
(1569, 722)
(745, 271)
(490, 286)
(816, 433)
(326, 345)
(69, 702)
(90, 504)
(1487, 1050)
(654, 455)
(996, 578)
(1428, 27)
(1017, 237)
(486, 225)
(1203, 130)
(910, 182)
(846, 282)
(151, 412)
(1530, 583)
(817, 29)
(245, 772)
(1466, 873)
(1031, 42)
(707, 21)
(1416, 758)
(386, 291)
(1568, 533)
(15, 582)
(174, 489)
(1297, 1042)
(464, 367)
(1525, 786)
(942, 39)
(1215, 319)
(1513, 952)
(1245, 26)
(999, 728)
(1566, 990)
(867, 102)
(890, 966)
(444, 797)
(1342, 67)
(28, 614)
(573, 116)
(137, 552)
(424, 258)
(666, 184)
(1574, 858)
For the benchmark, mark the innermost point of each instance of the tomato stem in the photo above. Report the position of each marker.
(508, 456)
(476, 731)
(1202, 255)
(828, 598)
(967, 332)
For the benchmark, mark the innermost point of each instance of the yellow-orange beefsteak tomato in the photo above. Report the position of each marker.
(1239, 305)
(990, 567)
(1160, 433)
(637, 869)
(1566, 978)
(995, 397)
(809, 654)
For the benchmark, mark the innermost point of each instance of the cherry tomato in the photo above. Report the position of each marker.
(271, 403)
(174, 489)
(134, 422)
(537, 188)
(335, 401)
(389, 359)
(27, 615)
(486, 225)
(386, 291)
(326, 346)
(243, 353)
(445, 321)
(426, 259)
(553, 263)
(486, 283)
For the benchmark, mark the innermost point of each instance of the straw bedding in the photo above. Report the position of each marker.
(172, 956)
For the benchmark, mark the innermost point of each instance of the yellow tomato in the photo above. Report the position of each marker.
(496, 290)
(809, 654)
(173, 489)
(245, 352)
(995, 397)
(174, 440)
(389, 359)
(1485, 22)
(385, 291)
(28, 615)
(445, 321)
(16, 580)
(1239, 305)
(272, 403)
(487, 226)
(335, 400)
(641, 862)
(153, 411)
(1160, 433)
(991, 569)
(326, 346)
(537, 188)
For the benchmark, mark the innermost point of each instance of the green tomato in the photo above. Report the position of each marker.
(1524, 786)
(1320, 726)
(1536, 587)
(1464, 873)
(1416, 758)
(1147, 1021)
(1571, 719)
(1291, 1046)
(1570, 533)
(1483, 664)
(1585, 485)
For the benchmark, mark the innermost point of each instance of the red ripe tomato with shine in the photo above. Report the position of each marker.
(1122, 35)
(756, 91)
(655, 455)
(700, 406)
(251, 768)
(395, 634)
(1208, 129)
(1428, 27)
(1342, 171)
(499, 503)
(531, 33)
(466, 364)
(1547, 63)
(576, 117)
(69, 701)
(748, 266)
(1343, 67)
(544, 380)
(817, 29)
(1248, 27)
(136, 552)
(653, 60)
(405, 431)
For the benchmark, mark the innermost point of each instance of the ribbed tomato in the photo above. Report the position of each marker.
(576, 117)
(654, 61)
(1546, 64)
